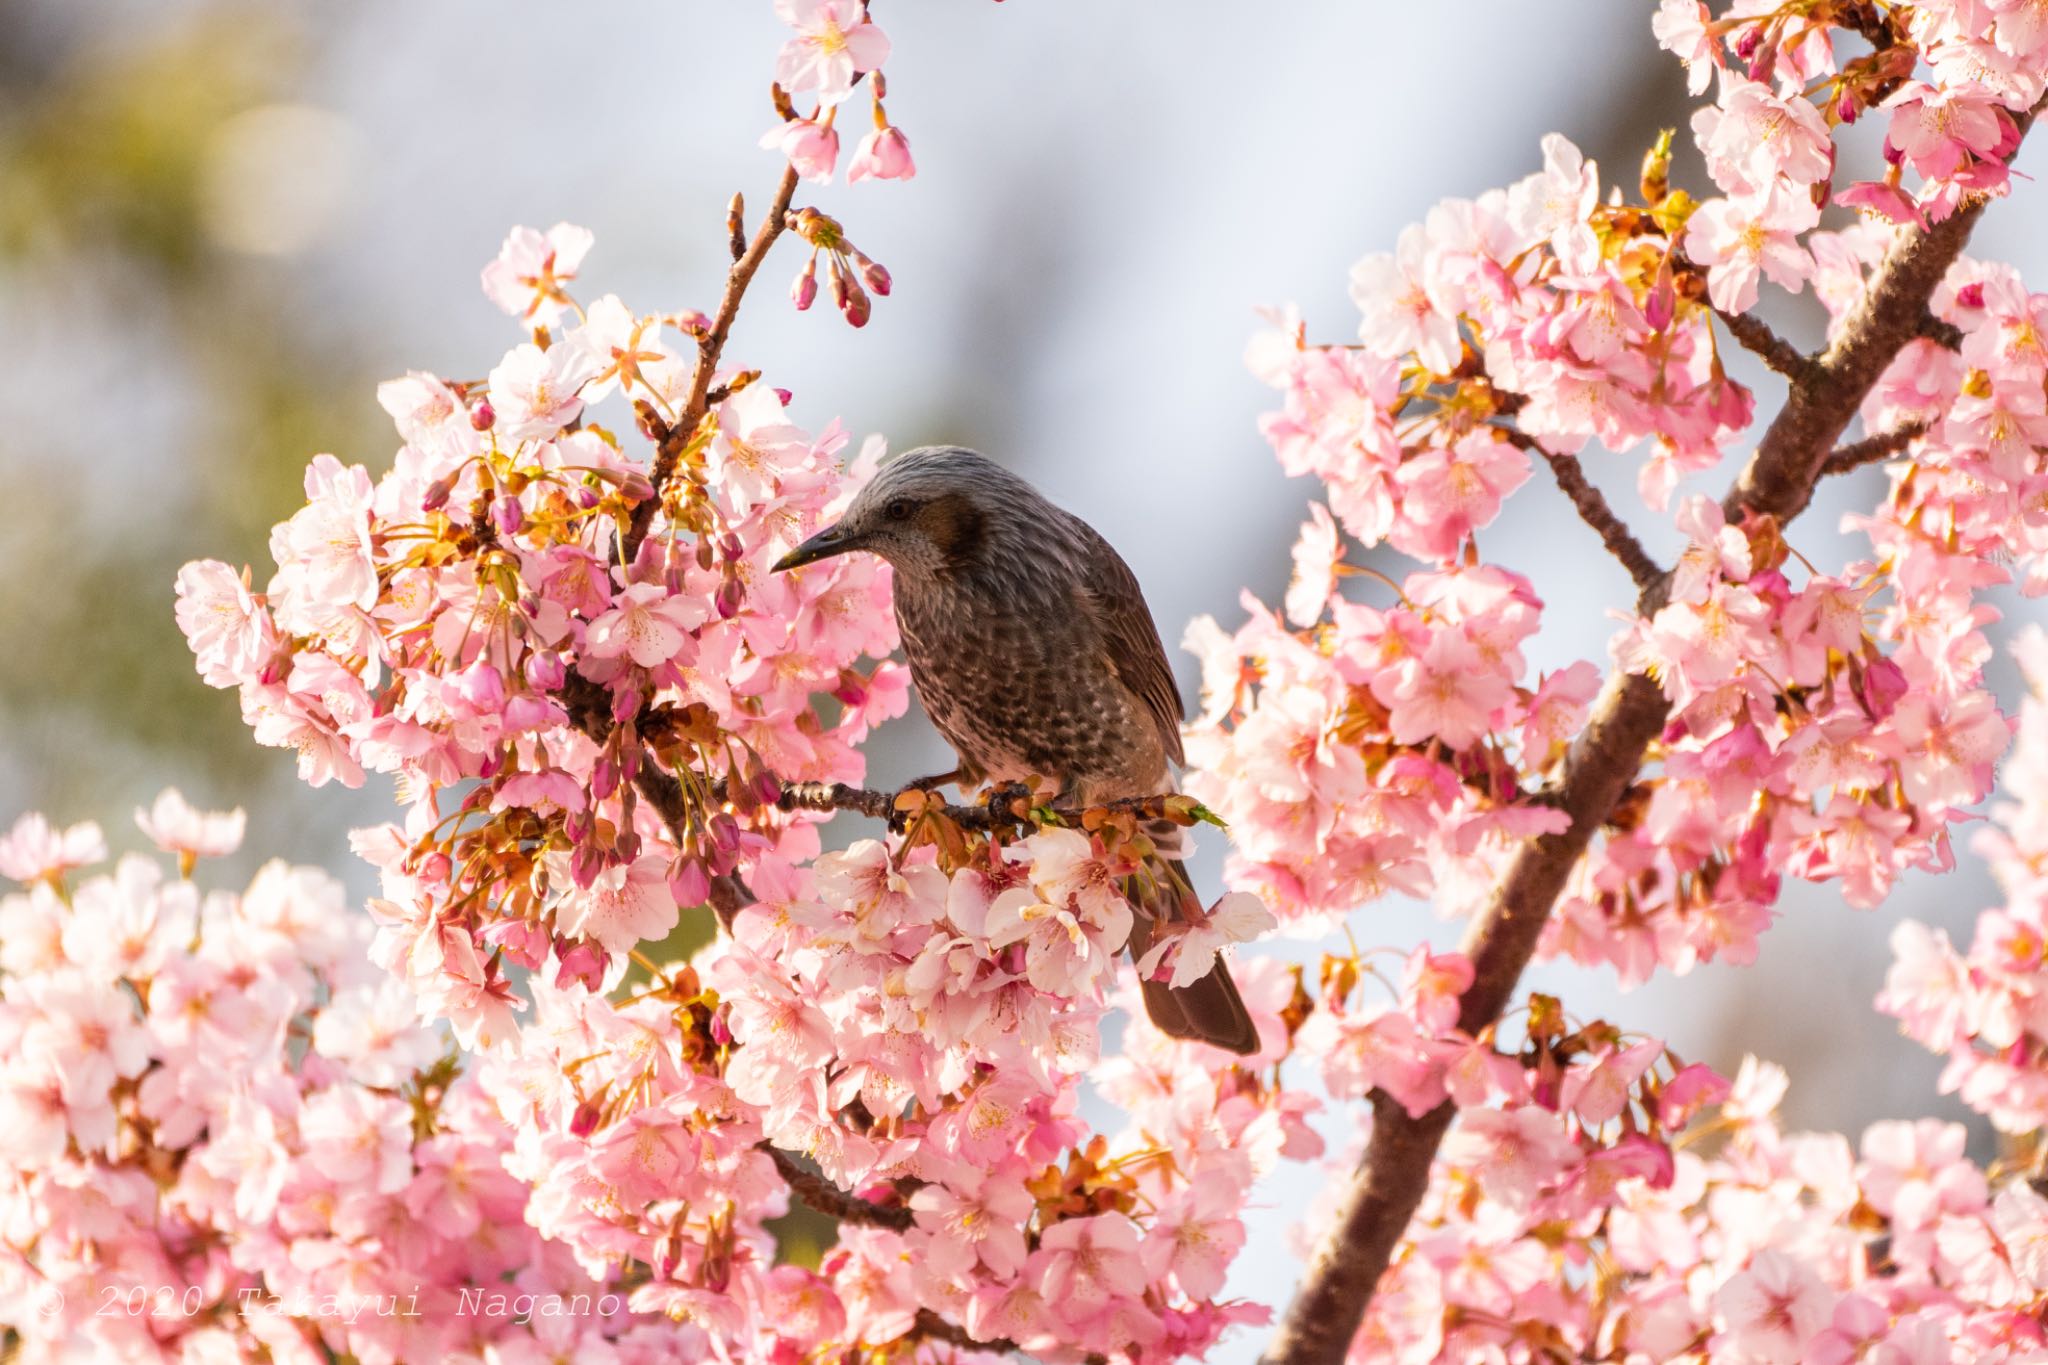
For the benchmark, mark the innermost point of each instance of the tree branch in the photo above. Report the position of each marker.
(709, 346)
(931, 1327)
(1595, 511)
(1760, 341)
(1871, 449)
(828, 1199)
(1629, 714)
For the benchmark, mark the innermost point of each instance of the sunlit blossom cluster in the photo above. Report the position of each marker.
(224, 1134)
(553, 622)
(1555, 1228)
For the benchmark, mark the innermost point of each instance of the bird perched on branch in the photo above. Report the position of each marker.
(1031, 647)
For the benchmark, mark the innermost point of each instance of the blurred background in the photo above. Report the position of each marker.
(222, 223)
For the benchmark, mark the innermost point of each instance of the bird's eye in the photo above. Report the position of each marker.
(899, 509)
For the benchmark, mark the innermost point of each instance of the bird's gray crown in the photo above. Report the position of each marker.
(934, 471)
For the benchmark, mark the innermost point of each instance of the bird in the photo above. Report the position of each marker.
(1034, 654)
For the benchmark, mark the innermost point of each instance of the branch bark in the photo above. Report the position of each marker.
(1629, 714)
(1760, 341)
(1594, 510)
(1871, 449)
(709, 346)
(828, 1199)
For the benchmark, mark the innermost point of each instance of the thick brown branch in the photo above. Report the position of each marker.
(1760, 341)
(1871, 449)
(932, 1327)
(709, 347)
(828, 1199)
(1629, 714)
(1595, 512)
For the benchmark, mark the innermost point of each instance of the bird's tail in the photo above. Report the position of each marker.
(1210, 1010)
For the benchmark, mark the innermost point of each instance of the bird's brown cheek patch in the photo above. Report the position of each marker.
(954, 525)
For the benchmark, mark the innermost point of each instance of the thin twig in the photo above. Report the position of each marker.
(1594, 510)
(708, 348)
(828, 1199)
(1871, 449)
(1759, 340)
(1630, 713)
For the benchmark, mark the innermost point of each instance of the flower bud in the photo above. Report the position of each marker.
(587, 497)
(509, 515)
(803, 292)
(545, 670)
(688, 882)
(436, 496)
(730, 595)
(483, 416)
(876, 275)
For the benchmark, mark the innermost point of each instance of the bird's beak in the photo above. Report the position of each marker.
(833, 540)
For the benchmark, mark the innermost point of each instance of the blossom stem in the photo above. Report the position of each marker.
(1630, 713)
(709, 347)
(1595, 512)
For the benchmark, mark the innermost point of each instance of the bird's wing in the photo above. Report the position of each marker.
(1110, 595)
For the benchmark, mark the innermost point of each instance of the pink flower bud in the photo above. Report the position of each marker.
(581, 965)
(1846, 108)
(584, 1120)
(876, 275)
(811, 147)
(767, 787)
(1884, 686)
(785, 395)
(882, 155)
(721, 1032)
(545, 670)
(856, 305)
(436, 496)
(587, 497)
(434, 868)
(509, 515)
(730, 595)
(803, 291)
(483, 416)
(481, 687)
(528, 712)
(1971, 295)
(688, 882)
(636, 487)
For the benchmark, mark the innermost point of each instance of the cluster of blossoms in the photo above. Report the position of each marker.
(920, 1039)
(1561, 1229)
(483, 618)
(836, 44)
(224, 1136)
(1984, 1009)
(602, 708)
(593, 692)
(1826, 724)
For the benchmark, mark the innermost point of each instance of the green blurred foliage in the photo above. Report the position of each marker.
(104, 135)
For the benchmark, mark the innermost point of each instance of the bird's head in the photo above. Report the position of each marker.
(929, 512)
